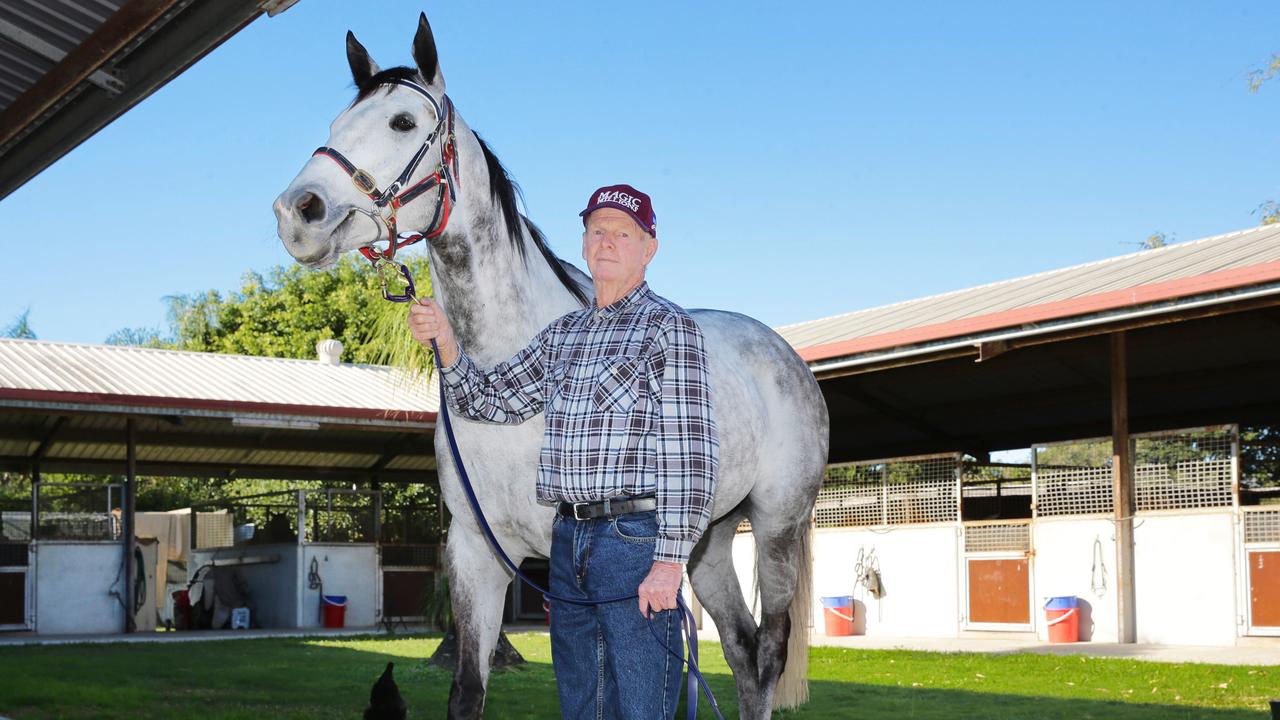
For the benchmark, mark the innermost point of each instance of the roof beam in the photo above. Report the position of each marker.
(47, 441)
(101, 78)
(409, 444)
(17, 463)
(126, 24)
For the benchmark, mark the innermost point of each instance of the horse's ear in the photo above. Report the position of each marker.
(362, 66)
(424, 53)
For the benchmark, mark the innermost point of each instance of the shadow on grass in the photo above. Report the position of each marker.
(854, 700)
(331, 677)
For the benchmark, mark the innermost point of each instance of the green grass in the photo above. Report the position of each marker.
(330, 678)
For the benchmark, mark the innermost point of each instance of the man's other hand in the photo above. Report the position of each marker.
(658, 591)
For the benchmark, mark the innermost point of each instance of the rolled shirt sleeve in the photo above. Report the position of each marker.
(688, 443)
(509, 394)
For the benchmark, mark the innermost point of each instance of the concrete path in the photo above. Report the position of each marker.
(1250, 651)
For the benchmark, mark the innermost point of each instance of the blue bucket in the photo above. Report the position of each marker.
(1066, 602)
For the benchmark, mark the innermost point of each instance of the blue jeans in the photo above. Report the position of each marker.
(609, 663)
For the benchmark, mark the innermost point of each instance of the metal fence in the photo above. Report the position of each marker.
(1072, 478)
(316, 516)
(890, 492)
(1186, 469)
(995, 491)
(83, 512)
(1172, 470)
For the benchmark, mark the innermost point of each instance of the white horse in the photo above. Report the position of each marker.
(499, 285)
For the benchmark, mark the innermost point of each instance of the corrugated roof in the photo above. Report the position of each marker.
(1182, 270)
(34, 36)
(69, 67)
(100, 375)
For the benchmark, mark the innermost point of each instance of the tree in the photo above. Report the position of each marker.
(1269, 210)
(1157, 239)
(20, 328)
(285, 312)
(1263, 74)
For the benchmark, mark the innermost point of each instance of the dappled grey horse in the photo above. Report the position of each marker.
(499, 285)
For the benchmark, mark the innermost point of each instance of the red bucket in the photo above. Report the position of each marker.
(335, 611)
(837, 614)
(1062, 617)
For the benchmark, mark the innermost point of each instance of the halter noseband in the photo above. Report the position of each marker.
(386, 203)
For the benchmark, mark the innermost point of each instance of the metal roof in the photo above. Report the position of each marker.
(1218, 269)
(70, 67)
(68, 408)
(189, 383)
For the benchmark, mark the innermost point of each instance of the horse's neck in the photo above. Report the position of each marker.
(495, 299)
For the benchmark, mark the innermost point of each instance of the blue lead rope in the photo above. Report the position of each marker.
(687, 622)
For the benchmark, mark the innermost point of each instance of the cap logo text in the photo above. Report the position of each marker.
(618, 197)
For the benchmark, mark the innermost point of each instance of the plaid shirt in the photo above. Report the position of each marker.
(628, 410)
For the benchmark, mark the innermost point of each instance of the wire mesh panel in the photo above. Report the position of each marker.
(852, 495)
(212, 530)
(78, 511)
(892, 492)
(1185, 469)
(1262, 526)
(1073, 478)
(1001, 537)
(15, 525)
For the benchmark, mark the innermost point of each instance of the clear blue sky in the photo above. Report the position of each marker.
(804, 159)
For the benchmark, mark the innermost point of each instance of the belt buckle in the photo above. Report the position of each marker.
(577, 506)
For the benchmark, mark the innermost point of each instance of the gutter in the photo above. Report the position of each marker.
(974, 343)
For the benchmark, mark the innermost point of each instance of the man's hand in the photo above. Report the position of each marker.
(658, 591)
(427, 322)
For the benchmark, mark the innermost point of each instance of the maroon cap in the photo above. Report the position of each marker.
(627, 199)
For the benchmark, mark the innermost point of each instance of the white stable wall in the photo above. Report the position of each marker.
(72, 585)
(350, 570)
(918, 567)
(1064, 564)
(1185, 577)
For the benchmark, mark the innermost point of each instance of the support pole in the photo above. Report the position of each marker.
(127, 521)
(1122, 490)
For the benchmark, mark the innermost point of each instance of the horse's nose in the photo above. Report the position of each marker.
(309, 206)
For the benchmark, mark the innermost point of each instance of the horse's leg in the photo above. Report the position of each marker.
(716, 583)
(477, 584)
(783, 565)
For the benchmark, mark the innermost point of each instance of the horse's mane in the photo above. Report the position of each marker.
(502, 188)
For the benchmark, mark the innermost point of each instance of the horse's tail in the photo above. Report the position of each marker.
(793, 685)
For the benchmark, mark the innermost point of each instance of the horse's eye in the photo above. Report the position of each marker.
(403, 123)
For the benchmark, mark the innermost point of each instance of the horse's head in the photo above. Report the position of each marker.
(378, 162)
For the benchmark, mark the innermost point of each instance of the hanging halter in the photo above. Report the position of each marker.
(387, 202)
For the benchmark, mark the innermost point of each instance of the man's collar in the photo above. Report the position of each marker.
(625, 301)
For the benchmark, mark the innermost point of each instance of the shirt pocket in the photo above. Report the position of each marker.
(618, 386)
(555, 386)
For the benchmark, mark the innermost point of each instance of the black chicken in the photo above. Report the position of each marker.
(385, 702)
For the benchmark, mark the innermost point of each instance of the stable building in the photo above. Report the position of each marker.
(76, 554)
(1124, 384)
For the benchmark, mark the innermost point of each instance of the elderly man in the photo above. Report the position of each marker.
(628, 458)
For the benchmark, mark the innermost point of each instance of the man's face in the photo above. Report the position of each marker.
(615, 247)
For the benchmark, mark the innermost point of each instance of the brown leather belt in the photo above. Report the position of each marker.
(611, 507)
